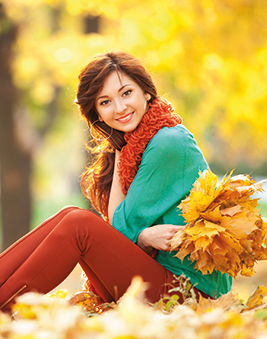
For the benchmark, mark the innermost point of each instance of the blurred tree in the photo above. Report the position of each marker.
(17, 143)
(32, 95)
(14, 159)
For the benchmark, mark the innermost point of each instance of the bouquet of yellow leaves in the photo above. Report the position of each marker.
(224, 231)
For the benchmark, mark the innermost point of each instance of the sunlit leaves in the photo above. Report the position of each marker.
(209, 57)
(38, 316)
(224, 230)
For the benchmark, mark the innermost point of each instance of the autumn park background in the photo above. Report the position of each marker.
(208, 57)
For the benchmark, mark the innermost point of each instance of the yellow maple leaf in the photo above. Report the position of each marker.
(177, 239)
(213, 215)
(224, 229)
(203, 228)
(239, 226)
(240, 180)
(256, 299)
(201, 195)
(231, 211)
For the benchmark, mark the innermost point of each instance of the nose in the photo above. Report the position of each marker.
(120, 106)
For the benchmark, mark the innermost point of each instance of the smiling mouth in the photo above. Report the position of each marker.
(126, 118)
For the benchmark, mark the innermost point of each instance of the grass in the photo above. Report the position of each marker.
(263, 208)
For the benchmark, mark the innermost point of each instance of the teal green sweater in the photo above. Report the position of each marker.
(170, 165)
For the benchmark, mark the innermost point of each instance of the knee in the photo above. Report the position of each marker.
(82, 227)
(67, 209)
(80, 219)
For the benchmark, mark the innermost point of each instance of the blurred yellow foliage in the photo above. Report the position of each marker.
(209, 58)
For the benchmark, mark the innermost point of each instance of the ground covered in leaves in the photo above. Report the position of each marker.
(60, 316)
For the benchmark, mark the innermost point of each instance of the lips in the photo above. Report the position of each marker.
(126, 117)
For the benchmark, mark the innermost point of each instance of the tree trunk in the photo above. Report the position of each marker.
(15, 161)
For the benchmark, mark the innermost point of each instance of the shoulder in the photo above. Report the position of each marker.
(172, 140)
(173, 145)
(176, 133)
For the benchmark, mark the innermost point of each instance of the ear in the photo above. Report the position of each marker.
(147, 96)
(100, 119)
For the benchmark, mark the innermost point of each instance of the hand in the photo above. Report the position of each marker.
(158, 237)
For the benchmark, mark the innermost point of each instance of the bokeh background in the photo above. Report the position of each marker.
(208, 57)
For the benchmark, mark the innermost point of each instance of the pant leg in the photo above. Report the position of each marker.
(94, 284)
(115, 260)
(17, 253)
(83, 236)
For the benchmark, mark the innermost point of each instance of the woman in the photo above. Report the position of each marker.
(145, 163)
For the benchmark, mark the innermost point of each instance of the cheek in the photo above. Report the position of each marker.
(105, 116)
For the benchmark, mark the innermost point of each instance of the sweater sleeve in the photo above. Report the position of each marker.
(170, 165)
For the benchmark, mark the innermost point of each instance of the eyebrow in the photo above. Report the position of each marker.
(106, 96)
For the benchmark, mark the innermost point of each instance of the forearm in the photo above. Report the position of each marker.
(116, 195)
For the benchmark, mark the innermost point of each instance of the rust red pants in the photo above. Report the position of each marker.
(43, 258)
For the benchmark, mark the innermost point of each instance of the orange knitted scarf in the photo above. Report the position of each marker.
(159, 115)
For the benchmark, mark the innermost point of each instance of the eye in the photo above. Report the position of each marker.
(104, 103)
(126, 93)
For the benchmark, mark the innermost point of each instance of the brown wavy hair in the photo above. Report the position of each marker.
(97, 177)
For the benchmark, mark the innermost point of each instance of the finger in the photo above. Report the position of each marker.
(173, 232)
(180, 227)
(167, 247)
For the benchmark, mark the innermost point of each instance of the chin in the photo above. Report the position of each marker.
(128, 130)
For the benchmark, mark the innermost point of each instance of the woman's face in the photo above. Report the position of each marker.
(121, 103)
